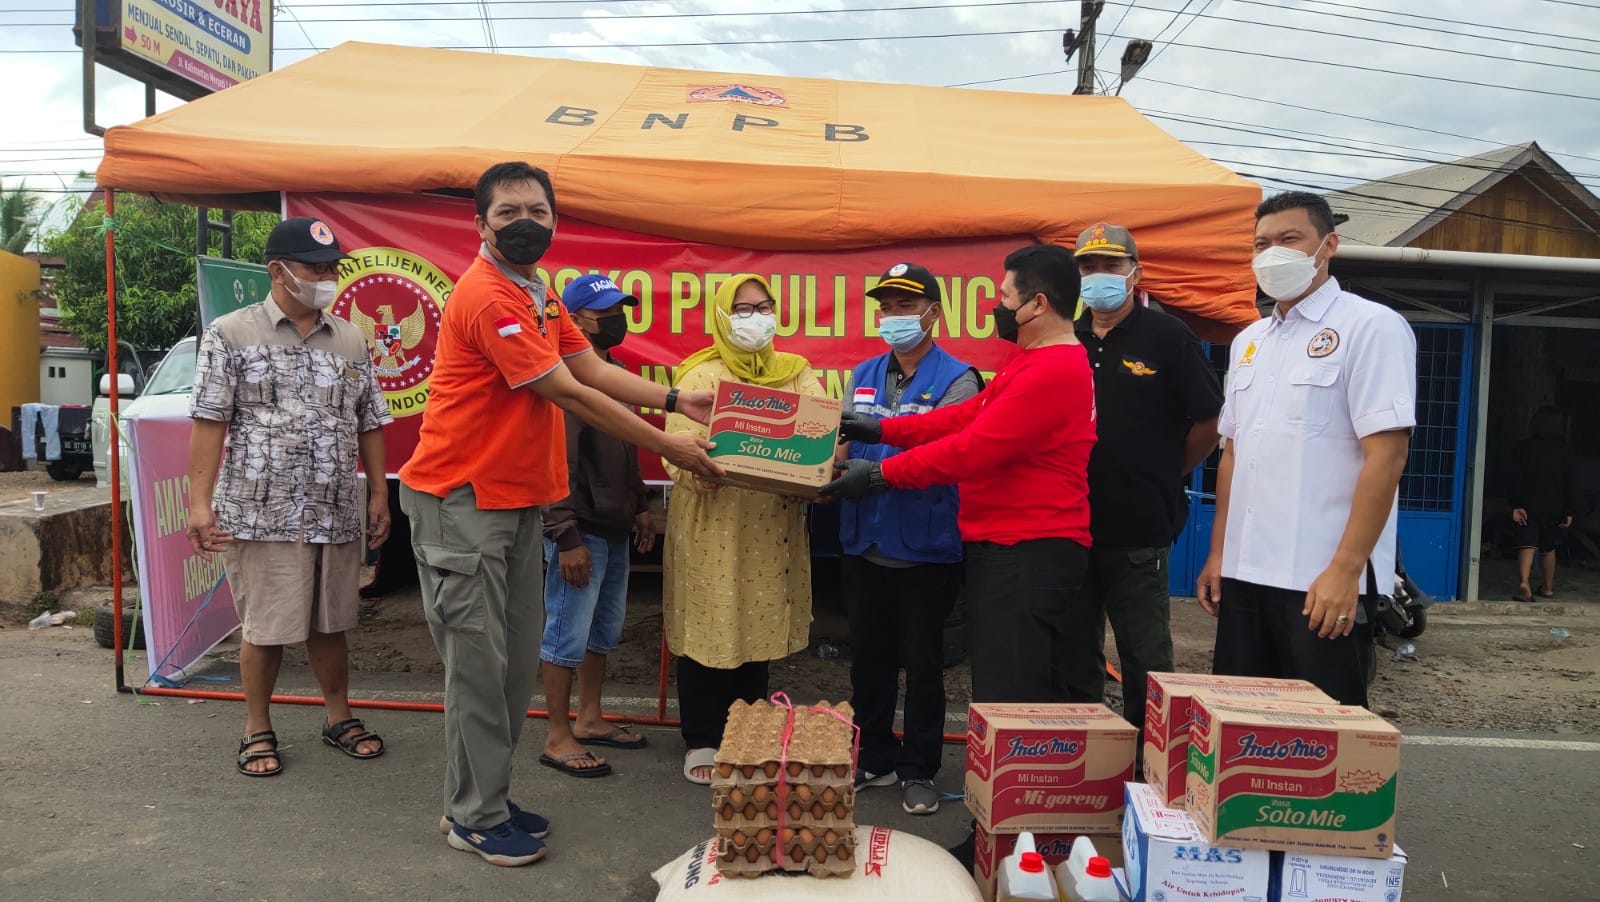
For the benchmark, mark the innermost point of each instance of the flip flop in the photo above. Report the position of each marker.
(1525, 599)
(1545, 594)
(564, 764)
(698, 758)
(609, 740)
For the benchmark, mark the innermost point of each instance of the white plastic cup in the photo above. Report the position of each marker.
(38, 500)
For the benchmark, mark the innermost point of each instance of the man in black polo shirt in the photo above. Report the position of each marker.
(1157, 401)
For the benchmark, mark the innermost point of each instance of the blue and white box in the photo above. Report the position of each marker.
(1166, 860)
(1299, 877)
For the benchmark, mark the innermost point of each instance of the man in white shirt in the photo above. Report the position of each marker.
(1316, 423)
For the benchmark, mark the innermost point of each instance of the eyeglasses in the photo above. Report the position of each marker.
(745, 311)
(323, 269)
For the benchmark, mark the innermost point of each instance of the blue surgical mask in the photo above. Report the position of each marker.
(902, 332)
(1103, 291)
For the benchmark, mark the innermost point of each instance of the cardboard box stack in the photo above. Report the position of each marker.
(1293, 776)
(770, 440)
(1166, 730)
(1056, 771)
(785, 807)
(1166, 857)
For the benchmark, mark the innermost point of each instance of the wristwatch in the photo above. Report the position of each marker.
(671, 406)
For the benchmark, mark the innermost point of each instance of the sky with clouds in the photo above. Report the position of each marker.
(1312, 93)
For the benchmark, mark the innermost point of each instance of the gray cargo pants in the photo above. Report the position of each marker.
(483, 593)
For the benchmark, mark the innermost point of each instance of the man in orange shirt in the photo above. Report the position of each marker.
(492, 451)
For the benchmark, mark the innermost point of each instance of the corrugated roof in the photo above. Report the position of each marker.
(1393, 211)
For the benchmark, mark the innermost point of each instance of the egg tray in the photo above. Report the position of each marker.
(820, 853)
(820, 745)
(806, 806)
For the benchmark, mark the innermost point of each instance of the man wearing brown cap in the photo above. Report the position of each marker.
(292, 390)
(1158, 399)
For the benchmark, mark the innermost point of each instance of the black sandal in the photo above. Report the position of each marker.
(247, 757)
(333, 733)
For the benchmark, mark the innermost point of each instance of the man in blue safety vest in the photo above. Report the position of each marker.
(902, 565)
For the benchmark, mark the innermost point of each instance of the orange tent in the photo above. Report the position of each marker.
(758, 161)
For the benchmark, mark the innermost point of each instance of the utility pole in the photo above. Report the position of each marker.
(1089, 11)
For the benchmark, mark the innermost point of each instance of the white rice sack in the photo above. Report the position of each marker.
(890, 867)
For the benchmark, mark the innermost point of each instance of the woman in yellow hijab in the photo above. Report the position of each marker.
(737, 586)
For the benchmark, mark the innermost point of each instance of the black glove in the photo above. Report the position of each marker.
(857, 479)
(858, 427)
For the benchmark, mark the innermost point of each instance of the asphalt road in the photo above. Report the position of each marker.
(104, 797)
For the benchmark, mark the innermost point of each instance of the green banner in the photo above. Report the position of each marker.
(228, 285)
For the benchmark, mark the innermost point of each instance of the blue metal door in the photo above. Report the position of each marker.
(1433, 488)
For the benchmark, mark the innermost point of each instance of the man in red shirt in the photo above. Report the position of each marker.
(1018, 453)
(492, 450)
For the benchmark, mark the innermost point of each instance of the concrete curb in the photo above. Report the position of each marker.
(1512, 609)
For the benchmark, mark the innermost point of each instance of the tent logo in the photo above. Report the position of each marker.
(737, 94)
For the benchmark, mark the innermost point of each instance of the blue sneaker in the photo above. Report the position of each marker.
(503, 845)
(535, 825)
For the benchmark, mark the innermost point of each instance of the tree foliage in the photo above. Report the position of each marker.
(19, 217)
(157, 301)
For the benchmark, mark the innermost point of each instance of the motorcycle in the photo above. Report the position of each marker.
(1403, 613)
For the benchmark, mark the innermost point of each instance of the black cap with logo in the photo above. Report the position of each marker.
(908, 277)
(303, 240)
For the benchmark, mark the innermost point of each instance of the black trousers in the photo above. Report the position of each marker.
(1022, 602)
(1261, 632)
(897, 619)
(1128, 586)
(705, 693)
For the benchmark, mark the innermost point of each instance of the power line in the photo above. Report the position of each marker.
(990, 81)
(1498, 37)
(1163, 48)
(1498, 57)
(721, 43)
(1352, 66)
(1125, 10)
(1311, 109)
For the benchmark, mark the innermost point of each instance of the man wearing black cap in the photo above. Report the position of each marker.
(1158, 399)
(292, 391)
(902, 565)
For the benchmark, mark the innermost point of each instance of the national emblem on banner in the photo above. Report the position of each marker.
(395, 297)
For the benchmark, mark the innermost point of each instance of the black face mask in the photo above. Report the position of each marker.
(523, 242)
(612, 330)
(1006, 326)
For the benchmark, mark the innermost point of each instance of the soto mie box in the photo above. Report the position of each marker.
(1293, 776)
(1166, 858)
(990, 849)
(1048, 768)
(1299, 877)
(1166, 719)
(770, 440)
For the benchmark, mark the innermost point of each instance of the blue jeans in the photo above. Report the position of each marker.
(587, 619)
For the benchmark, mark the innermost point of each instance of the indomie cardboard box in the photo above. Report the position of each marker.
(1166, 859)
(1166, 719)
(1048, 768)
(1298, 877)
(770, 440)
(990, 849)
(1293, 776)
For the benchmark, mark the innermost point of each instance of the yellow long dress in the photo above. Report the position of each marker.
(737, 582)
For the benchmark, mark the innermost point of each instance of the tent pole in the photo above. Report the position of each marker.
(113, 451)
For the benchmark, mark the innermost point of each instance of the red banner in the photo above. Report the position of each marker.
(407, 251)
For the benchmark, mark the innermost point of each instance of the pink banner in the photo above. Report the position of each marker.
(188, 607)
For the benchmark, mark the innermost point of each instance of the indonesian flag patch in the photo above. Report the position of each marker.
(865, 397)
(507, 326)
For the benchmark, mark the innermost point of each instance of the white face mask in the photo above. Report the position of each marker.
(316, 295)
(751, 333)
(1285, 273)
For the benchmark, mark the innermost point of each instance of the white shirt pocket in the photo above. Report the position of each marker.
(1312, 395)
